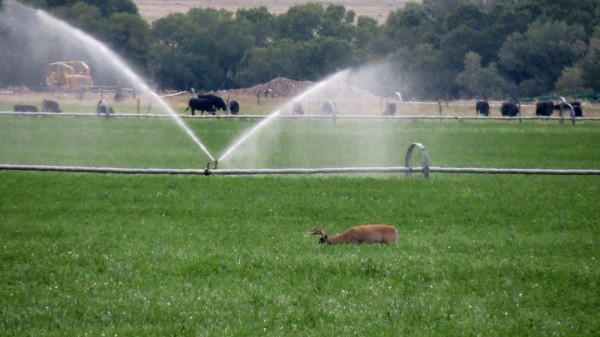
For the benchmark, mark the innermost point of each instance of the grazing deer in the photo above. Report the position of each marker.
(359, 234)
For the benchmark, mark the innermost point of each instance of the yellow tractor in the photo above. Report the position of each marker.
(69, 75)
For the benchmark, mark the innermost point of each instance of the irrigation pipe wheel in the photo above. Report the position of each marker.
(424, 155)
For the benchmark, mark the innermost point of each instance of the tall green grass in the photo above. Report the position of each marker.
(285, 143)
(203, 256)
(131, 255)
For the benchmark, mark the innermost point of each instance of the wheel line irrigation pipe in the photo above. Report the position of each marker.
(407, 170)
(298, 171)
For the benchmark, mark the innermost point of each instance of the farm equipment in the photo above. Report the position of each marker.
(69, 75)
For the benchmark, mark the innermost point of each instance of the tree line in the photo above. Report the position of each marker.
(432, 49)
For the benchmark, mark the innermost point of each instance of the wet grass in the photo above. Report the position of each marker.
(162, 255)
(86, 254)
(284, 143)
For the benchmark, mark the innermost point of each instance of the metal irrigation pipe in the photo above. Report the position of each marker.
(298, 171)
(211, 169)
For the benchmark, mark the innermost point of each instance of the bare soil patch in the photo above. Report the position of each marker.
(155, 9)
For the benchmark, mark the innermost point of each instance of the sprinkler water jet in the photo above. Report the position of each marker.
(35, 27)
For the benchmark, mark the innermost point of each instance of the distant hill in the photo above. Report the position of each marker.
(156, 9)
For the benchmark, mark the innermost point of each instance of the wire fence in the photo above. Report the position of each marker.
(308, 117)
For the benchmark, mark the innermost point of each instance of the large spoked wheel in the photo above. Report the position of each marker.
(417, 160)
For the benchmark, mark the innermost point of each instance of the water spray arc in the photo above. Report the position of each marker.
(98, 50)
(276, 113)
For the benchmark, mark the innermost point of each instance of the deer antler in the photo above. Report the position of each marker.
(318, 230)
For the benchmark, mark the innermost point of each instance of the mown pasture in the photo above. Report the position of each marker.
(110, 254)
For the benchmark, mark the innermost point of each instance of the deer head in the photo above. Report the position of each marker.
(318, 230)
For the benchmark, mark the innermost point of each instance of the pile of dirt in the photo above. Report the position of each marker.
(282, 87)
(278, 87)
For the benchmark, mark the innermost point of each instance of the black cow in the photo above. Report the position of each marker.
(50, 106)
(104, 107)
(297, 109)
(483, 108)
(217, 101)
(577, 109)
(390, 109)
(544, 109)
(25, 108)
(329, 108)
(510, 109)
(234, 107)
(202, 104)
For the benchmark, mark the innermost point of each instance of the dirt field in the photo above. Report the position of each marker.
(156, 9)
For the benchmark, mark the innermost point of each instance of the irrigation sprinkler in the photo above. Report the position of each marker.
(210, 165)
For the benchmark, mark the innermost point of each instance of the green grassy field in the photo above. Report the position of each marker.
(131, 255)
(284, 143)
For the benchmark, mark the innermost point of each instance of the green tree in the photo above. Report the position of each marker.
(262, 64)
(106, 7)
(478, 81)
(338, 23)
(328, 55)
(589, 64)
(535, 59)
(130, 35)
(127, 34)
(571, 82)
(208, 42)
(261, 23)
(424, 73)
(301, 22)
(83, 16)
(368, 33)
(406, 28)
(465, 29)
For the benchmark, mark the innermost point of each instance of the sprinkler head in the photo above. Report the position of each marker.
(208, 167)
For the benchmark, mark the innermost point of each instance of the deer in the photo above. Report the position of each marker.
(383, 234)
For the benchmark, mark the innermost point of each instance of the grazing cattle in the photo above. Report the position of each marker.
(390, 109)
(510, 109)
(50, 106)
(384, 234)
(104, 107)
(297, 109)
(25, 108)
(234, 107)
(329, 108)
(544, 109)
(577, 108)
(217, 101)
(482, 108)
(202, 104)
